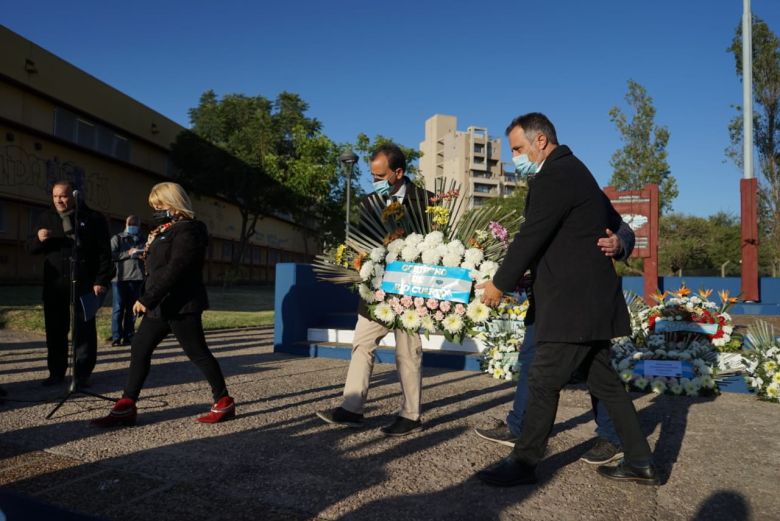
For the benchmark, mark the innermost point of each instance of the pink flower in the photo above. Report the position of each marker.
(398, 308)
(445, 306)
(422, 311)
(439, 316)
(460, 309)
(379, 295)
(406, 301)
(498, 231)
(432, 303)
(393, 301)
(419, 302)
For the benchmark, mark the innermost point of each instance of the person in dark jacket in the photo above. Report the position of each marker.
(388, 167)
(173, 298)
(126, 250)
(54, 239)
(578, 302)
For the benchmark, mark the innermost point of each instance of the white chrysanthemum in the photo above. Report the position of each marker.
(658, 386)
(379, 270)
(409, 253)
(376, 282)
(442, 249)
(451, 260)
(396, 246)
(691, 389)
(431, 256)
(773, 391)
(366, 270)
(456, 247)
(676, 388)
(410, 319)
(414, 239)
(728, 329)
(467, 265)
(391, 257)
(626, 375)
(427, 324)
(474, 255)
(378, 253)
(384, 313)
(488, 268)
(366, 293)
(452, 323)
(640, 382)
(434, 238)
(477, 312)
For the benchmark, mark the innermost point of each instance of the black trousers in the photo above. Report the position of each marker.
(550, 372)
(188, 330)
(56, 315)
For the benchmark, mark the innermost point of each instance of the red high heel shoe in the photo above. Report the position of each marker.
(223, 410)
(123, 413)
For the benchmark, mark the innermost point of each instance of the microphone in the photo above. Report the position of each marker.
(76, 194)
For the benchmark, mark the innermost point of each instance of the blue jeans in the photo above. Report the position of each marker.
(604, 426)
(124, 294)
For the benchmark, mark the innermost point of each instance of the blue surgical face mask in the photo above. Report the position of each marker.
(382, 187)
(525, 166)
(132, 230)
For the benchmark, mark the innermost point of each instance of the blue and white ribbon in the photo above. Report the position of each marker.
(427, 281)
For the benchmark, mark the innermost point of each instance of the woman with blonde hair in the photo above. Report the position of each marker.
(172, 299)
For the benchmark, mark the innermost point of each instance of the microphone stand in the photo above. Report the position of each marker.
(73, 387)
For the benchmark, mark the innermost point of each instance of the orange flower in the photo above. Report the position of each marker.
(683, 291)
(658, 296)
(395, 234)
(358, 262)
(705, 293)
(724, 295)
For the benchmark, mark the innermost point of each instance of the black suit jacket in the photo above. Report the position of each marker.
(416, 198)
(95, 265)
(174, 271)
(577, 294)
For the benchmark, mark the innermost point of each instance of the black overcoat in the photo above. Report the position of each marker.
(577, 293)
(174, 271)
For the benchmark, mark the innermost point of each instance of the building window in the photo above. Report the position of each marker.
(85, 134)
(479, 148)
(477, 201)
(73, 128)
(481, 188)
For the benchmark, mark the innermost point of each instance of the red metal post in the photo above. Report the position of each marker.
(650, 274)
(748, 189)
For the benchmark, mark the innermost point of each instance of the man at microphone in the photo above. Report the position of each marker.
(55, 239)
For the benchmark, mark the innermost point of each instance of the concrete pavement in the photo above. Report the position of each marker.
(719, 458)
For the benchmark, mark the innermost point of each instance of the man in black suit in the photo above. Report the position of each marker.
(579, 306)
(388, 168)
(54, 238)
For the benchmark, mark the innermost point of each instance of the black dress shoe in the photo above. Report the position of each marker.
(625, 472)
(508, 472)
(53, 380)
(116, 343)
(341, 416)
(401, 427)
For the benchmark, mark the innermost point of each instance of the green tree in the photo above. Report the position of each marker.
(263, 156)
(766, 125)
(642, 159)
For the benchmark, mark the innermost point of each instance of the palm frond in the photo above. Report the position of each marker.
(328, 272)
(760, 334)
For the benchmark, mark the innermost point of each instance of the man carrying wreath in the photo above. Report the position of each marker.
(388, 168)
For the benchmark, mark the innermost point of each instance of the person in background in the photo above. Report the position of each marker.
(126, 250)
(54, 239)
(173, 298)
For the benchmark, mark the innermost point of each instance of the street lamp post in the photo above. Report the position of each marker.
(748, 183)
(348, 159)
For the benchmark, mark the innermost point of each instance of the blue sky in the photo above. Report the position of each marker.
(384, 68)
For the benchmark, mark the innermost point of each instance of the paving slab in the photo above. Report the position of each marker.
(719, 457)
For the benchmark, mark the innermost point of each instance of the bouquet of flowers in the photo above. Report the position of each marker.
(678, 336)
(503, 337)
(763, 361)
(415, 267)
(682, 313)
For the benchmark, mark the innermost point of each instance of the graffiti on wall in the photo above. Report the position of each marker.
(20, 169)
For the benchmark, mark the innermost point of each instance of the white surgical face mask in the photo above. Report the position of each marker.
(525, 166)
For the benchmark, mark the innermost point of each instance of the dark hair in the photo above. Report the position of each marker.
(532, 124)
(395, 156)
(63, 182)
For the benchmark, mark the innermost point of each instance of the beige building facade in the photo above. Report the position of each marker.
(58, 122)
(471, 158)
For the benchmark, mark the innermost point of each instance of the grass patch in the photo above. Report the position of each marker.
(246, 306)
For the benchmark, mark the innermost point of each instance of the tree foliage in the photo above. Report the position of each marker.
(266, 157)
(766, 124)
(642, 159)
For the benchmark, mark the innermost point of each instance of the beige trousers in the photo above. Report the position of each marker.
(408, 361)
